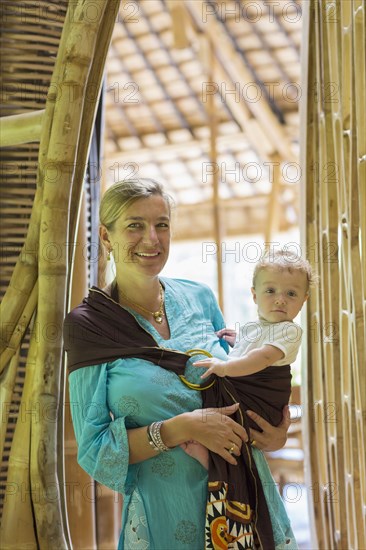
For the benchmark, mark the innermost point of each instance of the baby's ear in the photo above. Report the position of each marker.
(254, 294)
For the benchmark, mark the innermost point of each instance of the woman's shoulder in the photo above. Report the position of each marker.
(95, 296)
(74, 314)
(187, 286)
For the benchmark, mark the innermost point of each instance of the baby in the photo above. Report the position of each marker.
(281, 284)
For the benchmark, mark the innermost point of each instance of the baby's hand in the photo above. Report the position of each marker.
(227, 334)
(212, 365)
(197, 451)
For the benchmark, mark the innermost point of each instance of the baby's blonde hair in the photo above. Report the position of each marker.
(284, 259)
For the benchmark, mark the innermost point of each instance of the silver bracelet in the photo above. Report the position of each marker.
(153, 433)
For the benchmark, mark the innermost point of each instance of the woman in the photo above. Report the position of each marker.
(124, 383)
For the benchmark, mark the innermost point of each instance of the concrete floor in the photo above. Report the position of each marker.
(295, 498)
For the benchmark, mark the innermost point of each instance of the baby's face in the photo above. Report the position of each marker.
(279, 294)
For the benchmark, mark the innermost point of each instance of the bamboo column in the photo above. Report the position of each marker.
(62, 156)
(81, 496)
(273, 222)
(334, 162)
(217, 215)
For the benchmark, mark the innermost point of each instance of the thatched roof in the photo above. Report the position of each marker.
(160, 81)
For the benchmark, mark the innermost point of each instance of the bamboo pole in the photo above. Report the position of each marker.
(207, 54)
(23, 279)
(179, 23)
(62, 154)
(18, 331)
(273, 205)
(81, 511)
(18, 129)
(93, 90)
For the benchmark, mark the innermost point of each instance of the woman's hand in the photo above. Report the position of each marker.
(227, 334)
(272, 438)
(219, 433)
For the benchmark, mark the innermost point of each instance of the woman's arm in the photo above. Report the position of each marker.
(106, 447)
(213, 428)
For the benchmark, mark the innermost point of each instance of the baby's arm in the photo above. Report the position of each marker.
(254, 361)
(197, 451)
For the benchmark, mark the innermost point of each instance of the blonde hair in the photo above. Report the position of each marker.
(124, 193)
(285, 260)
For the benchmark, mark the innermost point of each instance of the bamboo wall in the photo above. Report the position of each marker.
(27, 65)
(334, 200)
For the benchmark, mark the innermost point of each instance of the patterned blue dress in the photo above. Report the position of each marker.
(164, 497)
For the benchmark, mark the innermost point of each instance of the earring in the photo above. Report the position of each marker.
(109, 256)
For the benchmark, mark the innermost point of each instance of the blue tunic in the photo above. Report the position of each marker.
(164, 496)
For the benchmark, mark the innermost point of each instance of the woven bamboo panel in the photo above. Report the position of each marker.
(30, 35)
(334, 146)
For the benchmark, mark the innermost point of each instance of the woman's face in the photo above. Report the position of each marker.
(140, 239)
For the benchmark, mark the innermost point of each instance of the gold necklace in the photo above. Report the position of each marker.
(158, 315)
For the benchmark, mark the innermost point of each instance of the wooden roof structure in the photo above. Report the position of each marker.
(201, 90)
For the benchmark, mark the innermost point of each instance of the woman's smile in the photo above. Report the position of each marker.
(142, 236)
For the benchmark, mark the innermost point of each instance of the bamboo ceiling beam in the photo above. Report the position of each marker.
(153, 153)
(239, 111)
(241, 216)
(229, 58)
(179, 114)
(272, 224)
(266, 45)
(18, 129)
(179, 22)
(124, 112)
(233, 39)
